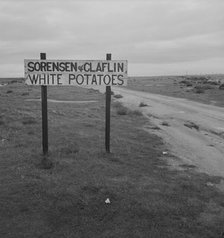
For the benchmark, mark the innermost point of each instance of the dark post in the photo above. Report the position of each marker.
(44, 113)
(108, 102)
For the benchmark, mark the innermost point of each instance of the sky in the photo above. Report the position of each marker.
(157, 37)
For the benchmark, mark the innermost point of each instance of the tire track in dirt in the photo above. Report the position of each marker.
(202, 147)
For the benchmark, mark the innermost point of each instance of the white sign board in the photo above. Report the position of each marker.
(76, 72)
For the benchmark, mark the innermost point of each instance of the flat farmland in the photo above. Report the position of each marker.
(200, 88)
(64, 195)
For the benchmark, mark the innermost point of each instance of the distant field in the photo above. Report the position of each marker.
(65, 196)
(11, 80)
(203, 89)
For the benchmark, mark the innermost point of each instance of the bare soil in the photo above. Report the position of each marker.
(195, 132)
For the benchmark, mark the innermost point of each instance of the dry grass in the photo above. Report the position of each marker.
(142, 104)
(165, 123)
(118, 96)
(221, 86)
(199, 90)
(68, 199)
(122, 110)
(28, 121)
(208, 91)
(191, 125)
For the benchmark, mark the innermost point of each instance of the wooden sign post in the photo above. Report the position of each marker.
(107, 124)
(44, 113)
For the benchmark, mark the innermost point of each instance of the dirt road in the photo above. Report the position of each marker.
(193, 131)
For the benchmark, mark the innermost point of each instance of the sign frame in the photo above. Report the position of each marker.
(76, 72)
(109, 72)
